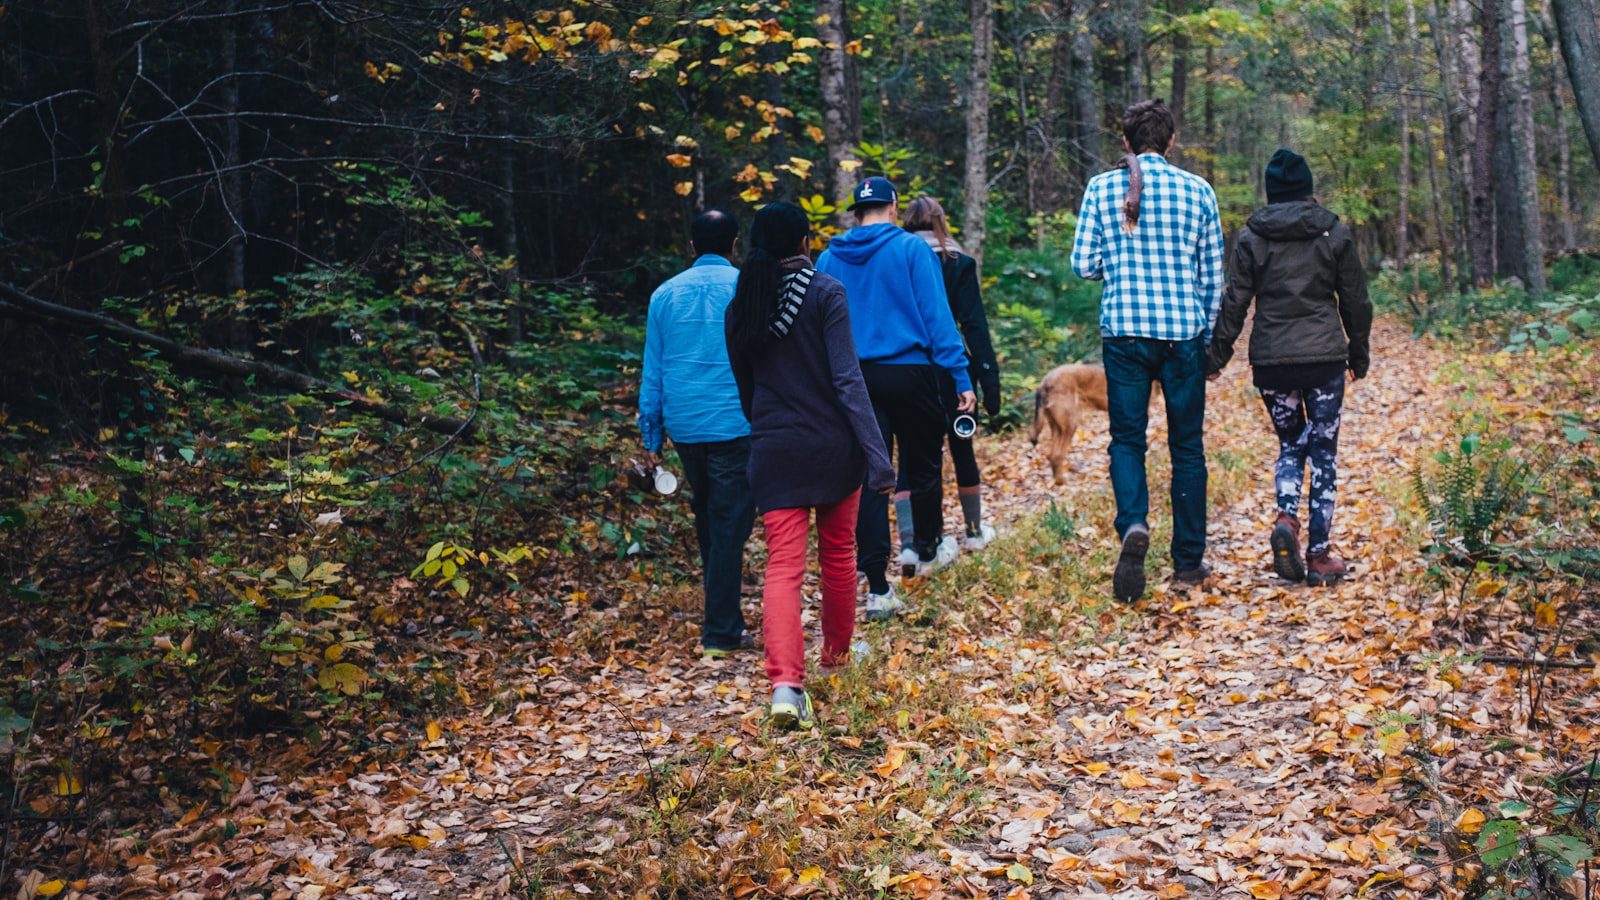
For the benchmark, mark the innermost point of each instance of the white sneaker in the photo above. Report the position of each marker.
(908, 561)
(882, 606)
(942, 558)
(973, 542)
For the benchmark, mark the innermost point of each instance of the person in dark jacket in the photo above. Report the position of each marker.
(1313, 319)
(814, 442)
(925, 218)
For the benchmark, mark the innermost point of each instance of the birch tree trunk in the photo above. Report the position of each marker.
(1580, 48)
(976, 192)
(1524, 150)
(1453, 117)
(841, 120)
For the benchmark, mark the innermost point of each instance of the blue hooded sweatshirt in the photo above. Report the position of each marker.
(895, 288)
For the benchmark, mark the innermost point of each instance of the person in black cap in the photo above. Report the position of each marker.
(1299, 264)
(903, 330)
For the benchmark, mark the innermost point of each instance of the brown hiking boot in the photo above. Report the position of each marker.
(1195, 577)
(1286, 548)
(1324, 569)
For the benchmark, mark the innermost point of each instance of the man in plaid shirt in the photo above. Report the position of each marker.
(1151, 231)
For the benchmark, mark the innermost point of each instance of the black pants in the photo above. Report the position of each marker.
(962, 457)
(906, 401)
(724, 512)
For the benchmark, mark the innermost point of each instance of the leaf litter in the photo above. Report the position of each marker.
(1014, 735)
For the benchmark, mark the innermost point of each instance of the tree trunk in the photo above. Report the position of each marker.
(1580, 47)
(1180, 76)
(1212, 150)
(1488, 90)
(1048, 169)
(511, 241)
(1091, 144)
(1524, 149)
(841, 118)
(1453, 119)
(1402, 247)
(1563, 139)
(976, 193)
(1507, 207)
(1133, 43)
(1445, 250)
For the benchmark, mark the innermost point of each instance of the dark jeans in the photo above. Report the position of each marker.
(724, 512)
(962, 457)
(906, 401)
(1132, 364)
(1307, 423)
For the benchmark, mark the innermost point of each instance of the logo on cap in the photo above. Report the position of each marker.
(866, 189)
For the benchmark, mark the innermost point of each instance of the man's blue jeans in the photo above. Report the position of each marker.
(1132, 364)
(724, 512)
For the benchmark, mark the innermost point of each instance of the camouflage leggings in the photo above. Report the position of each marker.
(1307, 422)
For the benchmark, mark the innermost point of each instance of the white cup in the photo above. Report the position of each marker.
(666, 482)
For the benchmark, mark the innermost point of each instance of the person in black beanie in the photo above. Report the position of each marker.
(1313, 319)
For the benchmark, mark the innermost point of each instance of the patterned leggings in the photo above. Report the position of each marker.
(1307, 422)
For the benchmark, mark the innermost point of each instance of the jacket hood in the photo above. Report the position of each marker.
(1296, 221)
(858, 245)
(949, 245)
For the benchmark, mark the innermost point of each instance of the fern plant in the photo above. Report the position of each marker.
(1473, 496)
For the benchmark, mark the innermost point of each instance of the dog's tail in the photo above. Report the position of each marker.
(1038, 416)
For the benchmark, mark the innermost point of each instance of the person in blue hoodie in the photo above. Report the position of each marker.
(904, 332)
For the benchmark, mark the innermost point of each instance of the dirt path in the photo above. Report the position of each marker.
(1213, 743)
(1208, 750)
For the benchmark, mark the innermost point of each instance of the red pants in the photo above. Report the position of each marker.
(781, 632)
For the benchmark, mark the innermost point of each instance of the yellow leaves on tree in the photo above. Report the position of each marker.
(680, 160)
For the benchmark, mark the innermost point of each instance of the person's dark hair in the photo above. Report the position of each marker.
(778, 232)
(1148, 125)
(925, 214)
(714, 231)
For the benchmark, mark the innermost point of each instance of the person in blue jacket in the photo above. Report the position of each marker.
(904, 333)
(688, 392)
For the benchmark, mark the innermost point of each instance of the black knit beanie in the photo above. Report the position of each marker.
(1288, 177)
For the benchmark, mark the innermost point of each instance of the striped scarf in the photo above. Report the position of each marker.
(794, 295)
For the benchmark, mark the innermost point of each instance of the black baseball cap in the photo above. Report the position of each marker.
(874, 191)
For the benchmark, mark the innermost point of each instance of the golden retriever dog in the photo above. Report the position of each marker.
(1064, 395)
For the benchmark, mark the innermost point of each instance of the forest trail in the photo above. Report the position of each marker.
(1221, 742)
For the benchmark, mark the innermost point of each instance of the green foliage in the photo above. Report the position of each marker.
(1531, 851)
(1474, 494)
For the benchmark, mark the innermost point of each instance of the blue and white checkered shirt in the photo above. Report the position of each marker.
(1164, 279)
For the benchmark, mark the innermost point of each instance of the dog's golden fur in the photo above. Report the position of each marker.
(1064, 395)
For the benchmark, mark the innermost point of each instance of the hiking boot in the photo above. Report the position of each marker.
(1324, 569)
(883, 606)
(1190, 578)
(791, 709)
(1286, 548)
(747, 641)
(1127, 581)
(943, 556)
(908, 561)
(975, 542)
